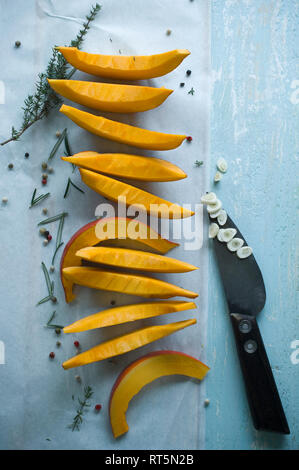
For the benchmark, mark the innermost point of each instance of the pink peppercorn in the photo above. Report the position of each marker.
(76, 344)
(49, 237)
(189, 138)
(44, 181)
(51, 355)
(98, 407)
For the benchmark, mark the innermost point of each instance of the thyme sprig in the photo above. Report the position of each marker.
(83, 404)
(39, 104)
(36, 200)
(69, 182)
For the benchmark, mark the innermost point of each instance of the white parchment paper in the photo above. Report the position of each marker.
(36, 393)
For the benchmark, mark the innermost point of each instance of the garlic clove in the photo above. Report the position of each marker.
(215, 207)
(235, 244)
(244, 252)
(222, 165)
(213, 230)
(227, 234)
(222, 217)
(214, 215)
(217, 176)
(209, 198)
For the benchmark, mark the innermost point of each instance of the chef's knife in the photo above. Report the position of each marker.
(246, 296)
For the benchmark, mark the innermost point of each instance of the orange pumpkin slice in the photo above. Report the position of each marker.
(118, 191)
(125, 343)
(124, 67)
(127, 313)
(124, 165)
(108, 229)
(132, 284)
(144, 371)
(123, 133)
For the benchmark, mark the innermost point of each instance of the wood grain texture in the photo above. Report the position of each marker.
(254, 125)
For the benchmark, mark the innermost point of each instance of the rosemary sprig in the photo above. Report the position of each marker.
(53, 219)
(198, 163)
(59, 243)
(68, 152)
(51, 325)
(50, 286)
(40, 198)
(57, 144)
(69, 182)
(39, 104)
(55, 252)
(78, 419)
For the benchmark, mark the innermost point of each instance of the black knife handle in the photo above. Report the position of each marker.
(263, 397)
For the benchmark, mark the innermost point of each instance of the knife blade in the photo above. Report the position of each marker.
(246, 296)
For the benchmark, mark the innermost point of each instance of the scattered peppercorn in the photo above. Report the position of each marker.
(112, 302)
(54, 299)
(168, 32)
(76, 344)
(188, 73)
(58, 134)
(45, 176)
(10, 166)
(45, 242)
(182, 84)
(44, 166)
(50, 169)
(58, 344)
(42, 231)
(17, 43)
(52, 355)
(78, 378)
(49, 238)
(45, 211)
(58, 331)
(98, 407)
(52, 269)
(44, 181)
(46, 233)
(4, 200)
(206, 402)
(189, 138)
(26, 155)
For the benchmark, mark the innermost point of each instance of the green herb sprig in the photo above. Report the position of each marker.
(69, 182)
(57, 144)
(39, 104)
(53, 219)
(51, 325)
(83, 404)
(36, 200)
(50, 286)
(59, 243)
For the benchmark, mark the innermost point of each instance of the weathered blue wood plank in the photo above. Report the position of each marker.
(254, 125)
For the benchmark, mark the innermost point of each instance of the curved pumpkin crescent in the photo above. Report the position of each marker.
(143, 371)
(108, 228)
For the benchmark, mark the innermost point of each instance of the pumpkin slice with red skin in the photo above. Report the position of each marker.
(144, 371)
(108, 228)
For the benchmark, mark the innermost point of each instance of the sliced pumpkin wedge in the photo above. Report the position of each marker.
(109, 228)
(144, 371)
(124, 67)
(127, 313)
(123, 133)
(124, 165)
(134, 259)
(132, 284)
(126, 343)
(110, 97)
(117, 190)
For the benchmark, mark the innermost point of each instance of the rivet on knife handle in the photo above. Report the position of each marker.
(263, 397)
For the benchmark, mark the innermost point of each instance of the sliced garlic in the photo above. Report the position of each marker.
(227, 234)
(235, 244)
(214, 207)
(222, 217)
(222, 165)
(209, 198)
(213, 230)
(214, 215)
(217, 176)
(244, 252)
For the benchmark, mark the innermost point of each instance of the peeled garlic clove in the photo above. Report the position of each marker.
(227, 234)
(244, 252)
(212, 208)
(219, 235)
(217, 176)
(213, 230)
(222, 165)
(235, 244)
(209, 198)
(214, 215)
(222, 217)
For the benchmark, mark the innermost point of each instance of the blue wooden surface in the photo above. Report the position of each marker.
(254, 125)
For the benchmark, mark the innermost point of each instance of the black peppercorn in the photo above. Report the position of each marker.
(188, 73)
